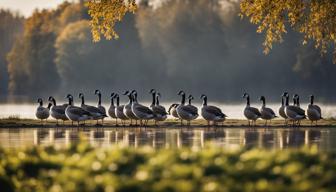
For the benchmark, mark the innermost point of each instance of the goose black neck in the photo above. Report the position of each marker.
(312, 100)
(298, 101)
(287, 100)
(248, 100)
(157, 100)
(135, 98)
(183, 99)
(83, 102)
(282, 101)
(112, 101)
(99, 99)
(153, 98)
(205, 101)
(189, 101)
(49, 105)
(294, 101)
(130, 98)
(117, 100)
(41, 103)
(264, 102)
(70, 101)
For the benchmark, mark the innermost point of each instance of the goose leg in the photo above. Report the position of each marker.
(116, 123)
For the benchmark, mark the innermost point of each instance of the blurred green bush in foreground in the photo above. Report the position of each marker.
(84, 168)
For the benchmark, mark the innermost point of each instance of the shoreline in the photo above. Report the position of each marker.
(169, 123)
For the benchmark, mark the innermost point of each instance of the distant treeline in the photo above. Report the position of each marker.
(200, 46)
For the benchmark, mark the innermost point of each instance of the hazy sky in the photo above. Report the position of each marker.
(26, 7)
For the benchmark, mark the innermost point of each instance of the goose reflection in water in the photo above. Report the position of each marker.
(173, 138)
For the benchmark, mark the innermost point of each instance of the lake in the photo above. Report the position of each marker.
(270, 138)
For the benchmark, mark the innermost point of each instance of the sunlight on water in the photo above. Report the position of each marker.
(324, 138)
(232, 111)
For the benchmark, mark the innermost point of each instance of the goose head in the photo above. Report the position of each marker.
(81, 96)
(157, 96)
(135, 96)
(183, 96)
(263, 99)
(174, 105)
(52, 100)
(205, 98)
(181, 93)
(70, 98)
(152, 91)
(97, 92)
(311, 99)
(247, 96)
(40, 101)
(286, 102)
(295, 98)
(129, 94)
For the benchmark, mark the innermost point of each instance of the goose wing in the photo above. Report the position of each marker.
(190, 110)
(79, 111)
(316, 107)
(143, 109)
(254, 110)
(215, 110)
(159, 110)
(269, 111)
(59, 109)
(92, 109)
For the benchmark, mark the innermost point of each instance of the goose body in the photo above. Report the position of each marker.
(95, 112)
(313, 111)
(266, 113)
(127, 110)
(284, 103)
(119, 110)
(159, 111)
(185, 112)
(140, 111)
(211, 113)
(99, 105)
(75, 113)
(42, 112)
(294, 112)
(111, 110)
(251, 113)
(58, 111)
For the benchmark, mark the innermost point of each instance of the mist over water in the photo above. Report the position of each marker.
(201, 47)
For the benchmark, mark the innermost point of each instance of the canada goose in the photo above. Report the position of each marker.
(266, 113)
(185, 112)
(251, 113)
(57, 111)
(172, 110)
(313, 111)
(99, 105)
(140, 111)
(159, 111)
(75, 113)
(42, 112)
(95, 112)
(119, 110)
(294, 112)
(128, 108)
(111, 110)
(284, 103)
(211, 113)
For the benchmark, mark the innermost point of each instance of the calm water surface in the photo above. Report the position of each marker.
(277, 138)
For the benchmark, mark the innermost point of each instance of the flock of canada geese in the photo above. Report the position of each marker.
(134, 111)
